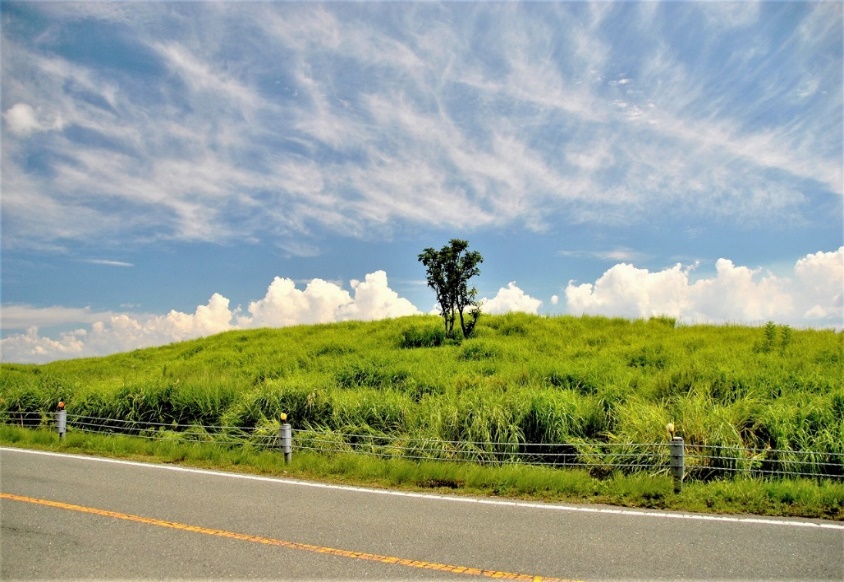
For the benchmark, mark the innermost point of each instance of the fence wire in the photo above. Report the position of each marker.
(702, 461)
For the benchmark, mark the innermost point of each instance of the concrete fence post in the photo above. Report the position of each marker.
(678, 463)
(61, 421)
(285, 434)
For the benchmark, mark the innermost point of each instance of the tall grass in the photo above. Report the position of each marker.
(795, 497)
(521, 379)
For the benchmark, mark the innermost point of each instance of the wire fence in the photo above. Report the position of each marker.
(702, 461)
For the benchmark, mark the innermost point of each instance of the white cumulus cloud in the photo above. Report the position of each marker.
(820, 276)
(282, 305)
(511, 298)
(735, 294)
(324, 302)
(285, 305)
(375, 300)
(23, 119)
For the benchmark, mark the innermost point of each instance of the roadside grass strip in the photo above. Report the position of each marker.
(283, 543)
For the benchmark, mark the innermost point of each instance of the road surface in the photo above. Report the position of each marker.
(66, 516)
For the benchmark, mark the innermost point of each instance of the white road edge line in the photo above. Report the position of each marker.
(433, 496)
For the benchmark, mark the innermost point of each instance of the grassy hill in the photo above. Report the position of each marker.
(521, 378)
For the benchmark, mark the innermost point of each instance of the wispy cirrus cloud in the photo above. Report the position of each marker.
(16, 317)
(108, 262)
(357, 117)
(619, 254)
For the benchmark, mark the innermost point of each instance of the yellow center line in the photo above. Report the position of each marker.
(281, 543)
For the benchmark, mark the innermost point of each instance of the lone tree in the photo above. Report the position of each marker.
(449, 271)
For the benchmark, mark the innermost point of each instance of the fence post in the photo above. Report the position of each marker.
(61, 421)
(285, 433)
(678, 463)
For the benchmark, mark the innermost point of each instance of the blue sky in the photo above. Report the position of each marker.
(171, 170)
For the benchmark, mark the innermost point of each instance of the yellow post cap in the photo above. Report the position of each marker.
(283, 416)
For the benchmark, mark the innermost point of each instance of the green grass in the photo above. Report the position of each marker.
(521, 378)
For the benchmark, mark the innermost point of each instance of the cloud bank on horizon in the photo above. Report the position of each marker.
(811, 297)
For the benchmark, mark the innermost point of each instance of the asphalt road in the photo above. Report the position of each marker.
(80, 517)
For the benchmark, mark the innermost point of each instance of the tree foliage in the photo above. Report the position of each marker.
(448, 271)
